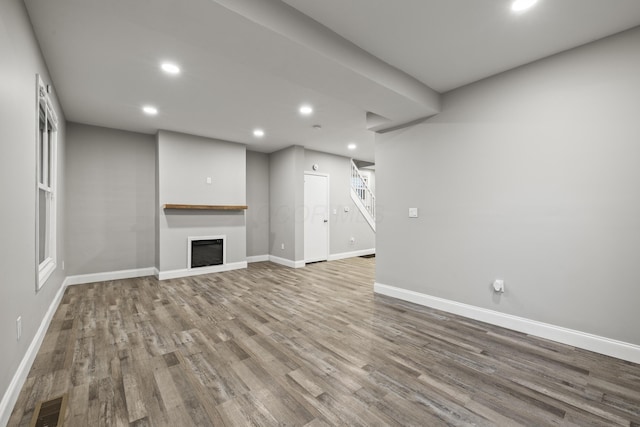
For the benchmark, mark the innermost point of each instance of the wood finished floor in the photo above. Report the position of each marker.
(275, 346)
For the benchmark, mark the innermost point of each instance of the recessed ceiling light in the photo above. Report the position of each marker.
(148, 109)
(522, 5)
(306, 110)
(170, 68)
(259, 133)
(351, 146)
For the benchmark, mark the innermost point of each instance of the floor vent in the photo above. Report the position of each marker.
(49, 413)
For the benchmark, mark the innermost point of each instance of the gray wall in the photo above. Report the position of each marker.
(342, 225)
(258, 202)
(184, 163)
(531, 176)
(21, 60)
(111, 199)
(286, 203)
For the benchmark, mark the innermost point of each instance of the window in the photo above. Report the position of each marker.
(46, 178)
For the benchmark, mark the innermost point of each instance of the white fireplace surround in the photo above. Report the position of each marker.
(188, 271)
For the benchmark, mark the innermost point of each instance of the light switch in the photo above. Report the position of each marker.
(335, 211)
(413, 212)
(208, 180)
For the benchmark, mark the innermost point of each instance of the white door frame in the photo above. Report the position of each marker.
(326, 175)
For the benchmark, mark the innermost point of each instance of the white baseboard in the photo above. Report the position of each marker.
(81, 279)
(174, 274)
(257, 258)
(343, 255)
(598, 344)
(13, 391)
(300, 264)
(286, 262)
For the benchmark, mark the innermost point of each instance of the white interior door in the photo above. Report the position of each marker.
(316, 218)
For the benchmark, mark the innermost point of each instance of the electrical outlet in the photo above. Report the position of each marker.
(352, 240)
(208, 180)
(62, 265)
(19, 327)
(282, 246)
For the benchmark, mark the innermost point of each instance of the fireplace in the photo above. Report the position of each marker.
(206, 251)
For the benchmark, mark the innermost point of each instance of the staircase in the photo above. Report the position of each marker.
(362, 196)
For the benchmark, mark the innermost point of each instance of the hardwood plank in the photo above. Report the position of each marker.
(271, 345)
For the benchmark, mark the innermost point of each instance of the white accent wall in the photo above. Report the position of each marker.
(531, 176)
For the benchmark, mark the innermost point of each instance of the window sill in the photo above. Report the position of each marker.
(47, 267)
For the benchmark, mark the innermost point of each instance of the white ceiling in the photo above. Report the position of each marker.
(450, 43)
(252, 63)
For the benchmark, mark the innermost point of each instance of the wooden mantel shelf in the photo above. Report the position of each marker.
(207, 207)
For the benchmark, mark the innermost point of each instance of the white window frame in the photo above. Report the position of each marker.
(46, 176)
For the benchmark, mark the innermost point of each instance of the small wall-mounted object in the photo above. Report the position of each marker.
(315, 167)
(207, 207)
(347, 208)
(498, 285)
(413, 212)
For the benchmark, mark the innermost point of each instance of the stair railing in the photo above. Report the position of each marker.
(360, 186)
